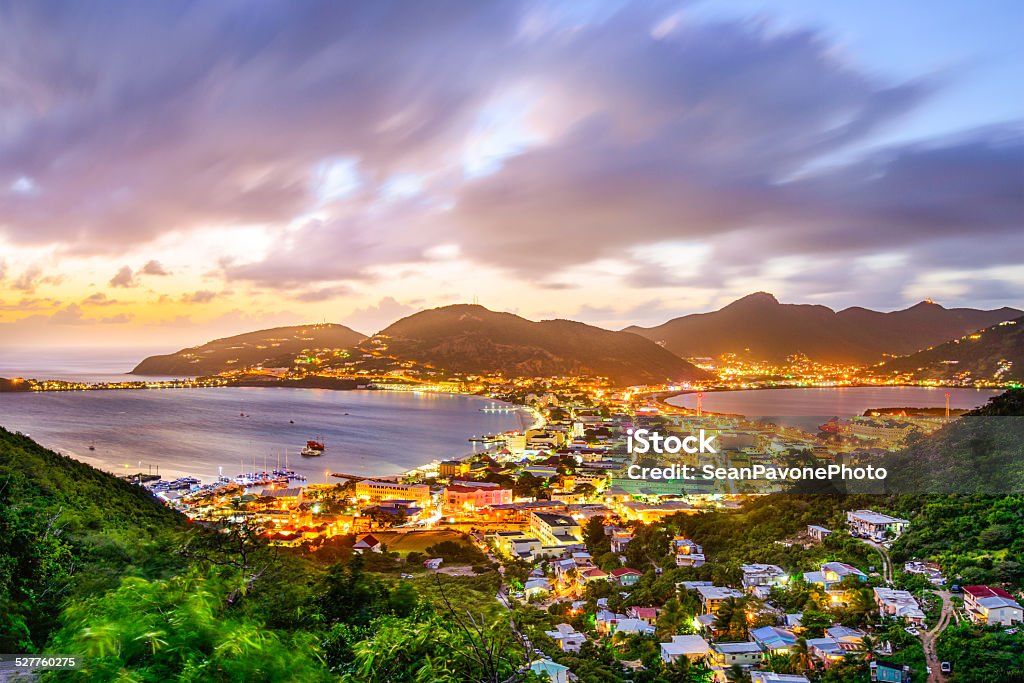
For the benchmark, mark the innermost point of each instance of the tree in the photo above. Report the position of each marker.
(800, 655)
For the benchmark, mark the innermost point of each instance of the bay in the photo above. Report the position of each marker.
(213, 431)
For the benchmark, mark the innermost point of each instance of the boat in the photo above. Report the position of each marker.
(313, 448)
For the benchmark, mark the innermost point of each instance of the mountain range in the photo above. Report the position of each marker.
(471, 339)
(758, 327)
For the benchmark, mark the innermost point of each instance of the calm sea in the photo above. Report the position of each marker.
(202, 432)
(806, 408)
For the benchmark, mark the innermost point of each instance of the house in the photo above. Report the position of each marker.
(608, 622)
(744, 653)
(889, 672)
(567, 638)
(712, 597)
(792, 621)
(687, 552)
(896, 603)
(536, 587)
(833, 573)
(845, 634)
(433, 563)
(818, 533)
(648, 614)
(368, 542)
(827, 650)
(620, 539)
(624, 576)
(555, 672)
(630, 626)
(989, 606)
(875, 525)
(592, 574)
(773, 639)
(763, 575)
(772, 677)
(705, 622)
(691, 647)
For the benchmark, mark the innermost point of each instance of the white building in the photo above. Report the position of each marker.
(691, 647)
(875, 525)
(896, 603)
(990, 606)
(568, 638)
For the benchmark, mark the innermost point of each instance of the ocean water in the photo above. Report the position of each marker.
(203, 433)
(807, 408)
(839, 401)
(73, 365)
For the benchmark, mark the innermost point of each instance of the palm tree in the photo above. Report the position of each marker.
(800, 655)
(866, 648)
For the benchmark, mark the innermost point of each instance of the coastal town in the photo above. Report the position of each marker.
(551, 506)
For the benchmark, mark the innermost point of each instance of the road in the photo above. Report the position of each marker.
(929, 638)
(886, 562)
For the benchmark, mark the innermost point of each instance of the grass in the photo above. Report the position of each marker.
(417, 541)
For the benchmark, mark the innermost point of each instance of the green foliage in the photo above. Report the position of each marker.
(453, 552)
(981, 655)
(180, 629)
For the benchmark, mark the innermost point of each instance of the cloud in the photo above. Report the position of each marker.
(362, 140)
(72, 314)
(154, 268)
(376, 317)
(98, 299)
(204, 296)
(123, 278)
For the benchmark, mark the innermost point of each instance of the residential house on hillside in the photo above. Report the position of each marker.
(875, 525)
(553, 671)
(833, 573)
(773, 639)
(567, 638)
(744, 653)
(897, 603)
(989, 606)
(368, 542)
(687, 552)
(691, 647)
(625, 576)
(755, 575)
(889, 672)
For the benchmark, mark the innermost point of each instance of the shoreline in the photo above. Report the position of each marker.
(113, 469)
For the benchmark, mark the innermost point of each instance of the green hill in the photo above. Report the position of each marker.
(276, 347)
(994, 353)
(472, 339)
(68, 529)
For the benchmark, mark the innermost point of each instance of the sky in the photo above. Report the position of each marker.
(172, 172)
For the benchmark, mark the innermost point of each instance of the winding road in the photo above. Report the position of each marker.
(886, 562)
(928, 638)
